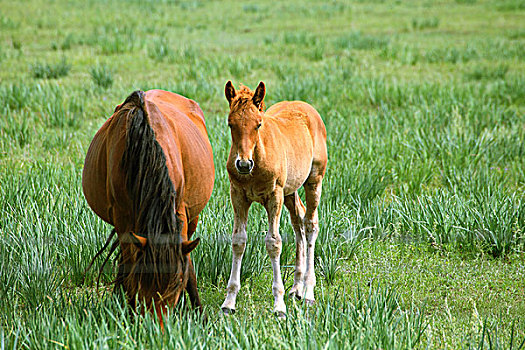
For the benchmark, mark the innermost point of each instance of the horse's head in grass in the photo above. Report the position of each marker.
(154, 269)
(245, 120)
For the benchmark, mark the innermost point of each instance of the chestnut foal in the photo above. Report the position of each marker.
(272, 155)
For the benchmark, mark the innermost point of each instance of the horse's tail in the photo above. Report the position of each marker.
(158, 266)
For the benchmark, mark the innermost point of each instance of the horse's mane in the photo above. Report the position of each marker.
(243, 99)
(159, 266)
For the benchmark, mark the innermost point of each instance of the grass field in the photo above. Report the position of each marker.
(422, 215)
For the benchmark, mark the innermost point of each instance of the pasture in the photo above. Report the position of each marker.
(422, 216)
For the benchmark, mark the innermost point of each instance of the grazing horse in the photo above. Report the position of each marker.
(272, 155)
(149, 172)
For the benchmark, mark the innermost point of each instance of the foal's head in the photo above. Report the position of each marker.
(244, 120)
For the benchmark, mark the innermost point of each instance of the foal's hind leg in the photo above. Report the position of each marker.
(297, 210)
(313, 188)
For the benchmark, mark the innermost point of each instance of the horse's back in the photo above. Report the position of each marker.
(181, 131)
(168, 101)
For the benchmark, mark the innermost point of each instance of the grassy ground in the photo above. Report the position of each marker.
(422, 215)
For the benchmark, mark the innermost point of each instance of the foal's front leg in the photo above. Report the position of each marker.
(240, 209)
(274, 245)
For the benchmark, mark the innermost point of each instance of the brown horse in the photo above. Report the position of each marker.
(149, 172)
(272, 155)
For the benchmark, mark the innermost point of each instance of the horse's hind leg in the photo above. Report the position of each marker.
(313, 188)
(191, 286)
(297, 210)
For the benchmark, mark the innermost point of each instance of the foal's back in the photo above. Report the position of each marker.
(293, 116)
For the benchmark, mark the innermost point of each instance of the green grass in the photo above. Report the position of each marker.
(422, 216)
(102, 76)
(50, 70)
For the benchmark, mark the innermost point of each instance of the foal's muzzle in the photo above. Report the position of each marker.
(244, 166)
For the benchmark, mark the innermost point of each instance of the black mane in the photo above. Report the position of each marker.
(158, 270)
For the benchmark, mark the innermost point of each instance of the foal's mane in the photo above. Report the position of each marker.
(243, 99)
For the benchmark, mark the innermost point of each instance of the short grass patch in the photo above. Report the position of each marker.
(56, 70)
(102, 76)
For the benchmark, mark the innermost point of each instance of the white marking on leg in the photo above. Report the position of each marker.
(239, 238)
(300, 262)
(297, 211)
(312, 232)
(273, 246)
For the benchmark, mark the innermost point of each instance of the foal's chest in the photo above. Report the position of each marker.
(255, 190)
(258, 193)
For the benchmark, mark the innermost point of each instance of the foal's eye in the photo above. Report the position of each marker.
(258, 126)
(229, 125)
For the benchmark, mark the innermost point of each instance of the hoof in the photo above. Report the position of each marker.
(226, 311)
(280, 315)
(309, 302)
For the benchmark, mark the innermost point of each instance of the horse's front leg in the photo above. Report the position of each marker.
(240, 208)
(274, 246)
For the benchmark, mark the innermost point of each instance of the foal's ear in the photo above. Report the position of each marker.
(258, 96)
(229, 91)
(188, 246)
